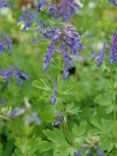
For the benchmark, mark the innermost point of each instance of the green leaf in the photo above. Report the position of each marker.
(82, 128)
(45, 146)
(42, 85)
(61, 150)
(56, 136)
(71, 109)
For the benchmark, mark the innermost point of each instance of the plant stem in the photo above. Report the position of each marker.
(66, 130)
(114, 103)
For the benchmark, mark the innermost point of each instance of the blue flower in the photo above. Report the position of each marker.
(113, 2)
(53, 95)
(20, 75)
(5, 42)
(48, 6)
(67, 41)
(100, 55)
(58, 119)
(15, 72)
(113, 49)
(66, 9)
(1, 46)
(27, 17)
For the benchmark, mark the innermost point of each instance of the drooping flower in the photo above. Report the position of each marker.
(58, 119)
(20, 75)
(113, 2)
(53, 95)
(14, 71)
(66, 9)
(5, 42)
(28, 15)
(113, 49)
(65, 40)
(100, 55)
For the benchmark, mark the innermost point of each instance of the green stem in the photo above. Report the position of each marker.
(66, 130)
(114, 103)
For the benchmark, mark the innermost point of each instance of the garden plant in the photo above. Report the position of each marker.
(58, 77)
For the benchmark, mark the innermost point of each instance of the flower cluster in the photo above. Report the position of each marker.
(113, 2)
(28, 16)
(63, 8)
(68, 41)
(5, 42)
(113, 52)
(14, 71)
(66, 9)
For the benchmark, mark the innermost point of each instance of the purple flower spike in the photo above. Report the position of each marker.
(100, 55)
(78, 153)
(99, 152)
(65, 73)
(113, 2)
(48, 56)
(1, 46)
(113, 49)
(8, 42)
(5, 42)
(53, 95)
